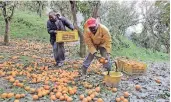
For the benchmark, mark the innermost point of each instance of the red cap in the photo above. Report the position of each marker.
(91, 22)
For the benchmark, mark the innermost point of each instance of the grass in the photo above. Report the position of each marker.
(139, 53)
(29, 25)
(4, 56)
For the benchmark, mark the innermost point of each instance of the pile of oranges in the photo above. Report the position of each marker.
(55, 82)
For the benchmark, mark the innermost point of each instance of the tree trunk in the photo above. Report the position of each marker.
(95, 11)
(7, 19)
(39, 10)
(82, 44)
(7, 29)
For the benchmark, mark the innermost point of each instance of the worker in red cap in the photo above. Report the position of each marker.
(97, 37)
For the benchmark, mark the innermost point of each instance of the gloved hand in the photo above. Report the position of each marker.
(55, 31)
(95, 55)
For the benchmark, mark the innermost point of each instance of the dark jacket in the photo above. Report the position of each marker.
(60, 24)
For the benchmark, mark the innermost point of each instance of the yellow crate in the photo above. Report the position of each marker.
(67, 36)
(134, 68)
(120, 63)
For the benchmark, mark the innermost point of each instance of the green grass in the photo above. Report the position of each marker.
(26, 60)
(139, 53)
(29, 25)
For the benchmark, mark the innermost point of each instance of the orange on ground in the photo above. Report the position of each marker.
(61, 98)
(125, 100)
(35, 97)
(9, 95)
(69, 99)
(4, 95)
(16, 101)
(118, 99)
(114, 89)
(122, 98)
(81, 97)
(58, 94)
(53, 97)
(126, 94)
(99, 100)
(97, 89)
(137, 87)
(17, 96)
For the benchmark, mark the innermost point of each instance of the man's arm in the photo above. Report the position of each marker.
(50, 31)
(67, 23)
(107, 40)
(89, 43)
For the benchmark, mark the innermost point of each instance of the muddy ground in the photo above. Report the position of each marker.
(30, 51)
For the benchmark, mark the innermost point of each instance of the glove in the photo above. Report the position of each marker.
(107, 55)
(95, 55)
(55, 31)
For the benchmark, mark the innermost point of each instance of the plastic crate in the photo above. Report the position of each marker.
(67, 36)
(134, 68)
(120, 63)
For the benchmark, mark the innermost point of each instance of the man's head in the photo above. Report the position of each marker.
(52, 16)
(92, 25)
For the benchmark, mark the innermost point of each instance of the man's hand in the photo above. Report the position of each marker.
(55, 31)
(95, 55)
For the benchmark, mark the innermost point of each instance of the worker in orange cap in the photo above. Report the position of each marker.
(97, 37)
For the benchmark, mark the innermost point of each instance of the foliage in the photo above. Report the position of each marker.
(156, 26)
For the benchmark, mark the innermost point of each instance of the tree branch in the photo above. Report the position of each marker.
(4, 10)
(13, 7)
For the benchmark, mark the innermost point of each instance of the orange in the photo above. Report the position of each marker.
(53, 97)
(16, 101)
(92, 96)
(22, 95)
(46, 87)
(58, 94)
(97, 89)
(114, 89)
(16, 81)
(89, 98)
(118, 99)
(35, 97)
(51, 93)
(81, 97)
(40, 94)
(122, 98)
(85, 100)
(126, 94)
(69, 99)
(158, 81)
(20, 85)
(55, 90)
(61, 98)
(99, 100)
(66, 96)
(125, 100)
(9, 95)
(137, 87)
(102, 60)
(12, 80)
(4, 95)
(27, 88)
(90, 92)
(32, 90)
(17, 96)
(106, 61)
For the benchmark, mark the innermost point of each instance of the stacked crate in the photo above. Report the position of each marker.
(131, 67)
